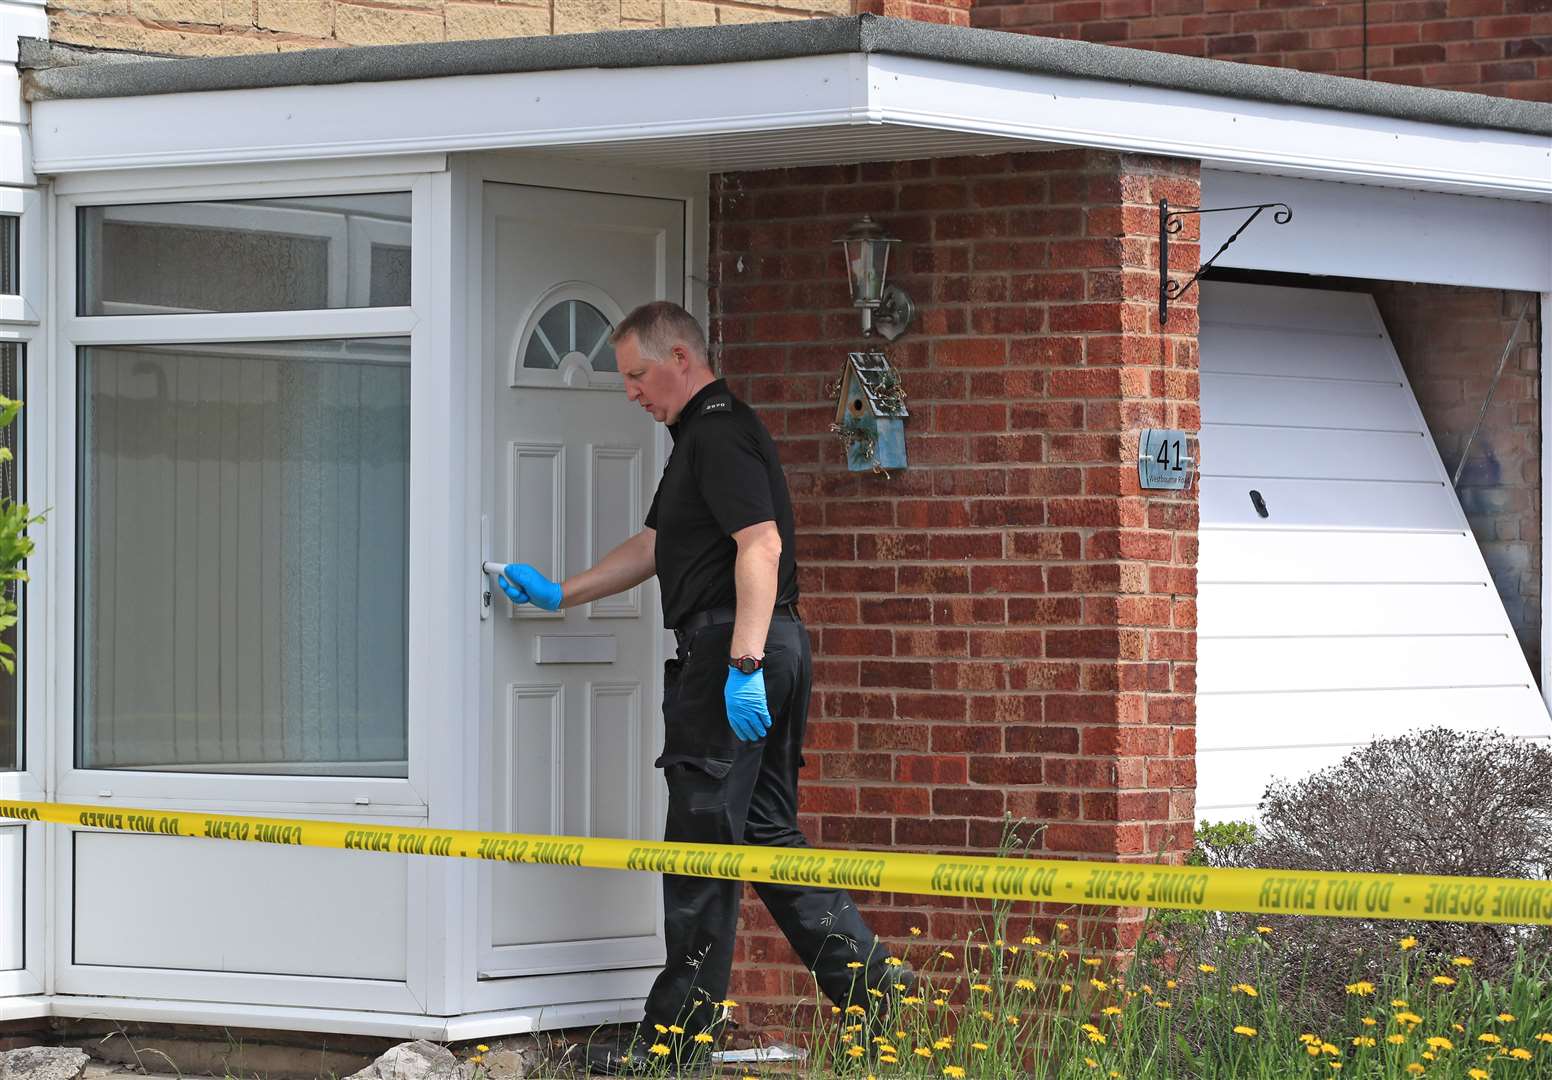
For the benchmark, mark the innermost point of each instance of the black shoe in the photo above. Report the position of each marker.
(633, 1057)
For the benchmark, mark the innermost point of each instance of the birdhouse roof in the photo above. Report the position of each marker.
(873, 373)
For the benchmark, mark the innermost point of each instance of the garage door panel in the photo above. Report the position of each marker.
(1360, 663)
(1329, 455)
(1325, 504)
(1296, 309)
(1273, 722)
(1296, 556)
(1315, 403)
(1248, 350)
(1235, 611)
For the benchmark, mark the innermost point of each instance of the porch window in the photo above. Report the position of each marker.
(243, 557)
(299, 254)
(10, 255)
(11, 488)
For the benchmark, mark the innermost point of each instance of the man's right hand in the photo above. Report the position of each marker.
(525, 585)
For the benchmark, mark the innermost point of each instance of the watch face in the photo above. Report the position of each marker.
(748, 665)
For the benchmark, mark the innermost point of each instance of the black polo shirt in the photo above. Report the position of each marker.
(722, 476)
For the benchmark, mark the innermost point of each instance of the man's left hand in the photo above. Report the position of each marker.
(744, 696)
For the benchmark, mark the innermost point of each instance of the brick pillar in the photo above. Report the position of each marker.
(1007, 625)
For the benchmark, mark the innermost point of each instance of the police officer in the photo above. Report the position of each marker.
(719, 537)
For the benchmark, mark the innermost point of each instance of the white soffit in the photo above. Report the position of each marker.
(751, 114)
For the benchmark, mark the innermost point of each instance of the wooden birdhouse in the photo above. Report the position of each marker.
(870, 415)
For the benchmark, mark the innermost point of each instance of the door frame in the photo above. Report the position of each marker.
(615, 992)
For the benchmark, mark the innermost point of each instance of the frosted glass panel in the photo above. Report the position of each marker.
(295, 254)
(243, 557)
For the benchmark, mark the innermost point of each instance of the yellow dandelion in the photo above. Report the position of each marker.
(1096, 1037)
(703, 1038)
(911, 999)
(1519, 1053)
(1206, 969)
(889, 1060)
(1361, 987)
(1244, 988)
(1439, 1042)
(1162, 1005)
(1091, 1063)
(659, 1049)
(855, 964)
(1478, 1074)
(835, 1010)
(940, 1002)
(1313, 1049)
(855, 1051)
(916, 931)
(1112, 1010)
(1067, 989)
(1507, 1018)
(661, 1030)
(922, 1051)
(855, 1010)
(1545, 1036)
(1399, 1003)
(477, 1058)
(954, 1071)
(1032, 940)
(1327, 1048)
(1362, 1040)
(874, 991)
(1024, 984)
(1061, 926)
(979, 1046)
(1099, 984)
(893, 961)
(1463, 961)
(1248, 1032)
(728, 1003)
(1409, 1018)
(1170, 984)
(1368, 1021)
(1408, 942)
(1147, 989)
(1395, 1040)
(1443, 980)
(986, 1015)
(944, 1043)
(1415, 1068)
(482, 1048)
(1488, 1037)
(1010, 1018)
(1309, 1040)
(945, 954)
(676, 1029)
(1336, 1066)
(1263, 929)
(1092, 961)
(981, 987)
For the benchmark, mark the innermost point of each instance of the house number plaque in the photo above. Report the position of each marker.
(1164, 461)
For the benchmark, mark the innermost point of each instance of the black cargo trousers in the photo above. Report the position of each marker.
(724, 791)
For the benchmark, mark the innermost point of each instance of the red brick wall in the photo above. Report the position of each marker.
(951, 12)
(1449, 341)
(1501, 47)
(1008, 625)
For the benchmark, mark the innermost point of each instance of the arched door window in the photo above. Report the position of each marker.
(565, 340)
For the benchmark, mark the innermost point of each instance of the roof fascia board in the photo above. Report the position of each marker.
(1227, 133)
(458, 113)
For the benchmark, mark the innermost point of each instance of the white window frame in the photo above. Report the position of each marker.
(21, 324)
(338, 795)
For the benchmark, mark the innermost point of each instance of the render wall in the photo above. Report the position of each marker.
(1500, 47)
(1007, 626)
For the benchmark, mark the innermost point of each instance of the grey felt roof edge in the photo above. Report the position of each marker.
(771, 41)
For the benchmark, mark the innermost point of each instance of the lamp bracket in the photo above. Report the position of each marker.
(896, 309)
(1171, 222)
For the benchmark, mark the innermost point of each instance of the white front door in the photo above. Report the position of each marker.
(571, 469)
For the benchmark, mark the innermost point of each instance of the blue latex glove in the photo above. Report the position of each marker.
(525, 585)
(744, 696)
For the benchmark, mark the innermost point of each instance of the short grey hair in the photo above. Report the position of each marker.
(658, 327)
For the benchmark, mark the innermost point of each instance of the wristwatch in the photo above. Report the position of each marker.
(748, 665)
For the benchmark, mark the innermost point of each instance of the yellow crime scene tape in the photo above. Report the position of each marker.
(1271, 892)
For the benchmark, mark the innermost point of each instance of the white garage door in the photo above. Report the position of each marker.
(1359, 606)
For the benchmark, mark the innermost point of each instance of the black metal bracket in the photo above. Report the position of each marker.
(1171, 222)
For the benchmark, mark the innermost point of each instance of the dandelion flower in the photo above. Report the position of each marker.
(1409, 1018)
(979, 1046)
(1443, 980)
(1439, 1042)
(922, 1051)
(1244, 988)
(981, 987)
(1361, 988)
(1399, 1003)
(1091, 1063)
(1067, 989)
(1478, 1074)
(874, 991)
(893, 961)
(1010, 1018)
(1032, 940)
(855, 1010)
(1162, 1005)
(661, 1030)
(1395, 1040)
(1170, 984)
(1506, 1017)
(1362, 1040)
(1099, 984)
(1545, 1037)
(1368, 1021)
(728, 1003)
(1313, 1049)
(1092, 961)
(945, 954)
(954, 1071)
(986, 1015)
(1415, 1068)
(1024, 984)
(703, 1038)
(659, 1049)
(1336, 1066)
(1309, 1040)
(1519, 1053)
(887, 1060)
(944, 1043)
(1112, 1010)
(1463, 961)
(1327, 1048)
(1061, 926)
(1248, 1032)
(1408, 942)
(1263, 929)
(1096, 1037)
(676, 1029)
(1206, 969)
(482, 1048)
(916, 931)
(855, 1051)
(854, 964)
(1488, 1037)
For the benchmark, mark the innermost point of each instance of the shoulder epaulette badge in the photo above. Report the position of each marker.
(720, 403)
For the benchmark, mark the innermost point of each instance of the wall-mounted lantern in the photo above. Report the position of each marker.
(886, 309)
(870, 414)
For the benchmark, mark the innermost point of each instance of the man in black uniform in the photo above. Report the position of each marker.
(719, 537)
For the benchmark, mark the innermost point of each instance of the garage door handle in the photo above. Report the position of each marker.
(1258, 502)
